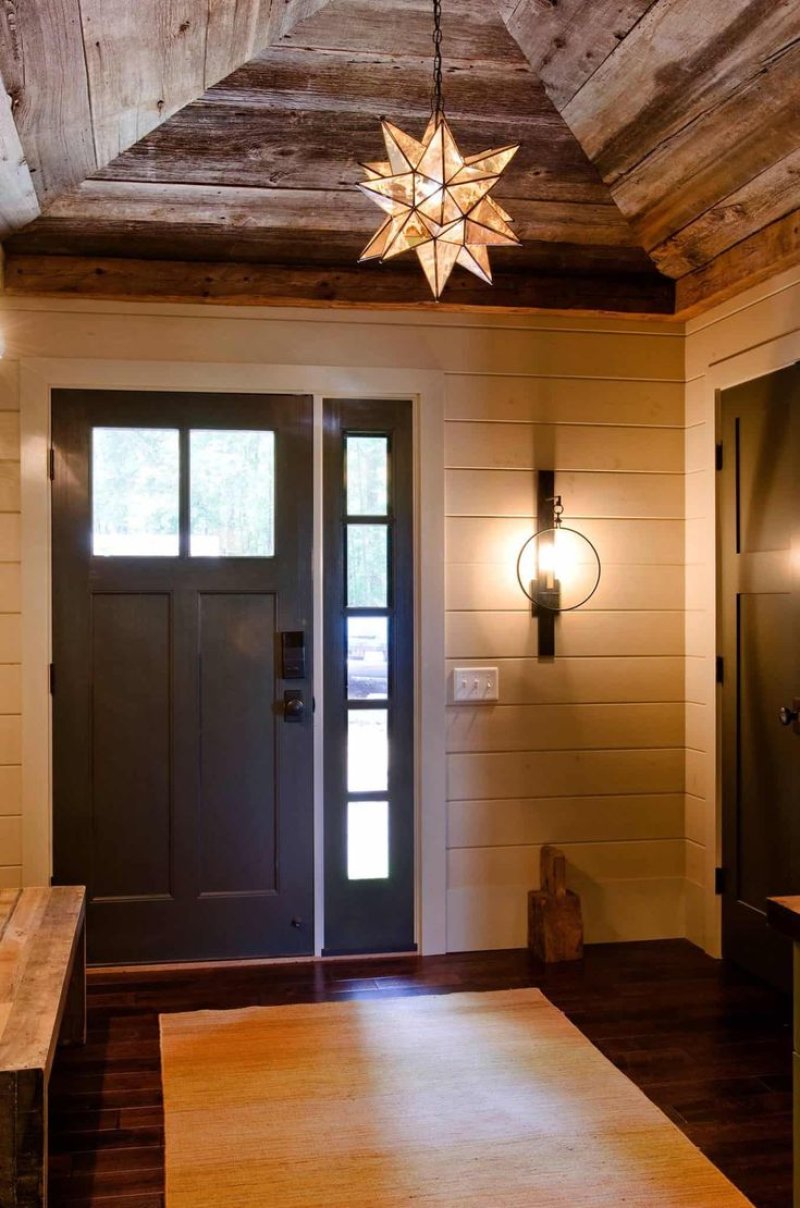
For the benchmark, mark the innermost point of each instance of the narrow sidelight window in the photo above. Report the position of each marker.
(369, 831)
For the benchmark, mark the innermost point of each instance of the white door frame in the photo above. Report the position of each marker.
(39, 376)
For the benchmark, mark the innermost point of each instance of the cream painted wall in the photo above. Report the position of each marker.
(588, 751)
(751, 335)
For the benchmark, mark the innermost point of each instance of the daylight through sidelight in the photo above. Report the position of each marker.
(438, 200)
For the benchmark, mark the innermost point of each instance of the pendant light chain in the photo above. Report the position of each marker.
(437, 101)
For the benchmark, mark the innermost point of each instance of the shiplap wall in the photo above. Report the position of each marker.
(587, 751)
(10, 688)
(754, 334)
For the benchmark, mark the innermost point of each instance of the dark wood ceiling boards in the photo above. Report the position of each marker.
(660, 144)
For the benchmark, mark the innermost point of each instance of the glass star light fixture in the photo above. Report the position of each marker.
(437, 200)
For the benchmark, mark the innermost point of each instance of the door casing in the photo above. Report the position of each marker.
(38, 376)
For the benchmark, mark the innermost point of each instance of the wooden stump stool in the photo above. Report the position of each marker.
(555, 926)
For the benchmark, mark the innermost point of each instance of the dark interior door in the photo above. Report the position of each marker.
(182, 604)
(760, 576)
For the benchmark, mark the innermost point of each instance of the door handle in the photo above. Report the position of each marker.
(789, 716)
(294, 708)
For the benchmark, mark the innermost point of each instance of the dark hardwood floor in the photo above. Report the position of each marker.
(707, 1043)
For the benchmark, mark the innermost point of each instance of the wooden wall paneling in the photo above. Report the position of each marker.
(18, 201)
(487, 635)
(43, 68)
(601, 861)
(267, 285)
(625, 680)
(11, 686)
(11, 840)
(10, 593)
(625, 542)
(569, 773)
(750, 262)
(480, 917)
(566, 446)
(566, 399)
(564, 727)
(595, 818)
(493, 586)
(585, 493)
(567, 42)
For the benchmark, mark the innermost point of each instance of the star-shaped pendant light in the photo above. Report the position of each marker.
(437, 199)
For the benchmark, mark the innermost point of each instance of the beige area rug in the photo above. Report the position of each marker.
(489, 1099)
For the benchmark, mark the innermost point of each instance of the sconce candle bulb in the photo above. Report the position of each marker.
(558, 568)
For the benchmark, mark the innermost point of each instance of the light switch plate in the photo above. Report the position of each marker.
(476, 685)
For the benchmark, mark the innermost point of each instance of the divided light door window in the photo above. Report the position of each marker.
(369, 697)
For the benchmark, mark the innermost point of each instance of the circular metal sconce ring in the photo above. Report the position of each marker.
(554, 529)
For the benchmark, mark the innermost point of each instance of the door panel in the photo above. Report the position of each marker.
(237, 743)
(760, 542)
(182, 532)
(130, 715)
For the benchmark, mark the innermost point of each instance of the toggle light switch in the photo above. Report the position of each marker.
(476, 685)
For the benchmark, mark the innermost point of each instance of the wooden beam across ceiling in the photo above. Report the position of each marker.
(402, 288)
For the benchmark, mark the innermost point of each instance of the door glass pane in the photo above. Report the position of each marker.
(232, 489)
(367, 840)
(367, 475)
(135, 492)
(367, 578)
(367, 751)
(367, 658)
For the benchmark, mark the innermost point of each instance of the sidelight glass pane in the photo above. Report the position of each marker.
(367, 658)
(232, 494)
(367, 475)
(135, 492)
(367, 751)
(367, 566)
(367, 840)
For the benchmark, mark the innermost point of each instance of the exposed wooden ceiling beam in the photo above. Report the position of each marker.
(264, 285)
(750, 262)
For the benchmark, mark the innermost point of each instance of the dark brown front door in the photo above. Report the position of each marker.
(760, 586)
(182, 528)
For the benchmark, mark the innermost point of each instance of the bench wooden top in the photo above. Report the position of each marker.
(784, 915)
(39, 934)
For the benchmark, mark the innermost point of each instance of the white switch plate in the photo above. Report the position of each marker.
(476, 685)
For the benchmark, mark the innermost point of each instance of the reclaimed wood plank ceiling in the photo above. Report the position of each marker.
(659, 163)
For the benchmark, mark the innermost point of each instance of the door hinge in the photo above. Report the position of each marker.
(720, 669)
(51, 463)
(51, 678)
(718, 455)
(719, 881)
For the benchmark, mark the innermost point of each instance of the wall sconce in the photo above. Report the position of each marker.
(558, 568)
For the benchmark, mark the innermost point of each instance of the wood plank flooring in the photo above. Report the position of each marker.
(707, 1043)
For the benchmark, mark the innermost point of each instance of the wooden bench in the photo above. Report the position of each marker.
(42, 1001)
